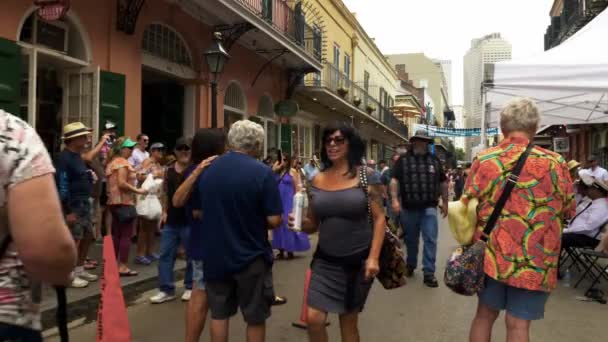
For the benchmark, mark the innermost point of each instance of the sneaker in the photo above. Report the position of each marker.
(78, 283)
(430, 281)
(409, 271)
(87, 276)
(153, 257)
(161, 297)
(142, 260)
(186, 296)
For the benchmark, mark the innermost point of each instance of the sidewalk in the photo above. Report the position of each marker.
(82, 303)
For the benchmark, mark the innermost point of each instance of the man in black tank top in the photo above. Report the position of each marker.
(419, 178)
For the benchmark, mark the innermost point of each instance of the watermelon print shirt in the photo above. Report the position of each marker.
(524, 247)
(22, 157)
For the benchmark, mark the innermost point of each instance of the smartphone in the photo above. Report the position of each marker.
(279, 156)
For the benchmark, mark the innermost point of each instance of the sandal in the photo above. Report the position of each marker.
(129, 273)
(290, 256)
(89, 266)
(279, 300)
(142, 260)
(279, 256)
(92, 262)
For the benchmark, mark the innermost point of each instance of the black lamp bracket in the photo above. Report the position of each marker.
(128, 12)
(232, 33)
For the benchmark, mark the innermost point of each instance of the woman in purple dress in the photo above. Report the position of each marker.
(284, 239)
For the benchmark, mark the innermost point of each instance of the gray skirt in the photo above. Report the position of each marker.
(328, 290)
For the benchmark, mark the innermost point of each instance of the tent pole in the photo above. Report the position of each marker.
(484, 97)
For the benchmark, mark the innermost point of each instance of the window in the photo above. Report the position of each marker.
(234, 105)
(162, 41)
(347, 66)
(337, 56)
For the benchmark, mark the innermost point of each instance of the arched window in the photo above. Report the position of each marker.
(235, 107)
(164, 42)
(235, 98)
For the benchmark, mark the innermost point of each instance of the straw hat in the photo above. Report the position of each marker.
(74, 130)
(573, 164)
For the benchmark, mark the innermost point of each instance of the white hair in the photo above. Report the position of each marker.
(520, 114)
(246, 136)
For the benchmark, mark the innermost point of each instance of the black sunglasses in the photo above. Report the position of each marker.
(183, 148)
(339, 140)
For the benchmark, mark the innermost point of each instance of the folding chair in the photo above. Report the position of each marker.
(572, 257)
(592, 258)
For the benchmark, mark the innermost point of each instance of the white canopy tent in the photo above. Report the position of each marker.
(568, 82)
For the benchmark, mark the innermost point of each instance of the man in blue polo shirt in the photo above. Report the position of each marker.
(240, 201)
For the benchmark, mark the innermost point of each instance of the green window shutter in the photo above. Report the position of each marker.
(286, 138)
(10, 77)
(112, 100)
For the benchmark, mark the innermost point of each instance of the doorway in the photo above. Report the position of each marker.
(162, 107)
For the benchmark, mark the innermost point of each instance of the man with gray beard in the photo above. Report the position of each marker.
(419, 177)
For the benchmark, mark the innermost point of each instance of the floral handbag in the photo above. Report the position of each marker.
(392, 258)
(464, 272)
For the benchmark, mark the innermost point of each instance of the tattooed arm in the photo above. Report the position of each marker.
(376, 200)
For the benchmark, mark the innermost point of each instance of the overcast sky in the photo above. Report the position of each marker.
(444, 28)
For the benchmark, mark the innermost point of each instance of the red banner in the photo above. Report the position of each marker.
(112, 318)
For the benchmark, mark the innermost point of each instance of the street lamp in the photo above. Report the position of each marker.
(216, 56)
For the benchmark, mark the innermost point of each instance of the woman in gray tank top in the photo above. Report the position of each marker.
(346, 260)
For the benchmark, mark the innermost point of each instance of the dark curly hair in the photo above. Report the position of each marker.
(207, 142)
(356, 146)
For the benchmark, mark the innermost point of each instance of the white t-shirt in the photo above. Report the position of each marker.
(23, 156)
(589, 219)
(599, 173)
(137, 157)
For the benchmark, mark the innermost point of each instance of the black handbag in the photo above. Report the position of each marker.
(464, 271)
(125, 213)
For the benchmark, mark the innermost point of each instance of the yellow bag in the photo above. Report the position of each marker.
(463, 220)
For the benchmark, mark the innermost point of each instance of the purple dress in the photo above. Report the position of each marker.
(283, 238)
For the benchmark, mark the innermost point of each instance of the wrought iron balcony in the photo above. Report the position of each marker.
(575, 15)
(340, 84)
(288, 21)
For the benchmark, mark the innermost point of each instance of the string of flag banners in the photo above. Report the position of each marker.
(444, 132)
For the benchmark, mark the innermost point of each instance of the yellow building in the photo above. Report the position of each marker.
(357, 84)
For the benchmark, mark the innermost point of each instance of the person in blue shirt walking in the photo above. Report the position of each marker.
(240, 201)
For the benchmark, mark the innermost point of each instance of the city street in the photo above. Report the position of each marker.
(412, 313)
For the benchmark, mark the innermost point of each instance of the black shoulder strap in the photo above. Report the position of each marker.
(5, 243)
(363, 183)
(511, 181)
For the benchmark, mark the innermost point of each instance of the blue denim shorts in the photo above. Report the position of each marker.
(521, 303)
(197, 275)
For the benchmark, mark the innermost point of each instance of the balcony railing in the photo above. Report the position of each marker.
(575, 15)
(290, 22)
(338, 83)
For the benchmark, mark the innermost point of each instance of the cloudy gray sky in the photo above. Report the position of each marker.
(444, 28)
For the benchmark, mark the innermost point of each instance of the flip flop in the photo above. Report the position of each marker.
(89, 266)
(92, 262)
(129, 273)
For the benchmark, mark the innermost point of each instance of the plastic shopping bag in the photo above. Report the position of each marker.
(462, 220)
(149, 206)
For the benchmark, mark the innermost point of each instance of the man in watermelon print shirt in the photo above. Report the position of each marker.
(523, 248)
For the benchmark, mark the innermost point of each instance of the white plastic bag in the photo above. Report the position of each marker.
(149, 206)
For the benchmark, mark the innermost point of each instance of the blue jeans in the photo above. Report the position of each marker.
(170, 239)
(415, 221)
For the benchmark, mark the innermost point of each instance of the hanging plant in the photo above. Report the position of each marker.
(370, 108)
(357, 101)
(342, 90)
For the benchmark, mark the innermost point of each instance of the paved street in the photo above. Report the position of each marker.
(412, 313)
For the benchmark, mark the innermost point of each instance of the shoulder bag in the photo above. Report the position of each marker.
(392, 257)
(464, 271)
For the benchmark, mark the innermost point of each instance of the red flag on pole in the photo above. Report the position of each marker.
(112, 318)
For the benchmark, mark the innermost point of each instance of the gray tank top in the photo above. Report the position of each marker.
(344, 226)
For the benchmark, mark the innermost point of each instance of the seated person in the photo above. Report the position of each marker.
(584, 229)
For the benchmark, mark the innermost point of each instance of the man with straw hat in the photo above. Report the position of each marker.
(75, 185)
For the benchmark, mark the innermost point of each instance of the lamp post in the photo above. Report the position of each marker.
(215, 56)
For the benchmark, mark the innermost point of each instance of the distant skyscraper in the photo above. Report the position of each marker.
(486, 50)
(446, 67)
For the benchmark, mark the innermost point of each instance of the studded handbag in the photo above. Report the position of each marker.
(392, 257)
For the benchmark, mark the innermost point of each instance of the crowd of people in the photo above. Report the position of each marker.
(219, 201)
